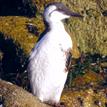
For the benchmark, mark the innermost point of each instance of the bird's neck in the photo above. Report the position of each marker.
(58, 25)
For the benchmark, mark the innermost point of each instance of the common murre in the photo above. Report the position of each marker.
(48, 62)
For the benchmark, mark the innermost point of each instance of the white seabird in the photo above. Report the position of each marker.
(48, 60)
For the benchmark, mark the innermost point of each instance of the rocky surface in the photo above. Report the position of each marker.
(90, 32)
(85, 96)
(14, 96)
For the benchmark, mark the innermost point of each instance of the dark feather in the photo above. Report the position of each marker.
(68, 60)
(47, 29)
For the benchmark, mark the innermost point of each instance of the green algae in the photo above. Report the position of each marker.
(15, 27)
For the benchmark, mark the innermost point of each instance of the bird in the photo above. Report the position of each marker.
(49, 59)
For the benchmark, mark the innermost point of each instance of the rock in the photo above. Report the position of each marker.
(89, 33)
(14, 96)
(15, 28)
(89, 78)
(17, 8)
(87, 97)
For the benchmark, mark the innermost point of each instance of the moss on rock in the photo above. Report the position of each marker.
(89, 32)
(85, 97)
(15, 27)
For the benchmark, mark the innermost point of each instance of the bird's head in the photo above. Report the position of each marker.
(58, 12)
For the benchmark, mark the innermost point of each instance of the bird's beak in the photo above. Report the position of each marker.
(72, 14)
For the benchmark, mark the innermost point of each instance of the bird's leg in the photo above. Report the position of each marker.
(53, 104)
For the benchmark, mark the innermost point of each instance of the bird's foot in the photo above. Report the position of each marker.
(59, 105)
(53, 104)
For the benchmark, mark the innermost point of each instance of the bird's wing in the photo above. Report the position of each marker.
(68, 60)
(44, 32)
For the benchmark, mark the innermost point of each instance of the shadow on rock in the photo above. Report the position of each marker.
(13, 62)
(17, 8)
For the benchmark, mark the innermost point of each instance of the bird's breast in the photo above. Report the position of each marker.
(60, 39)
